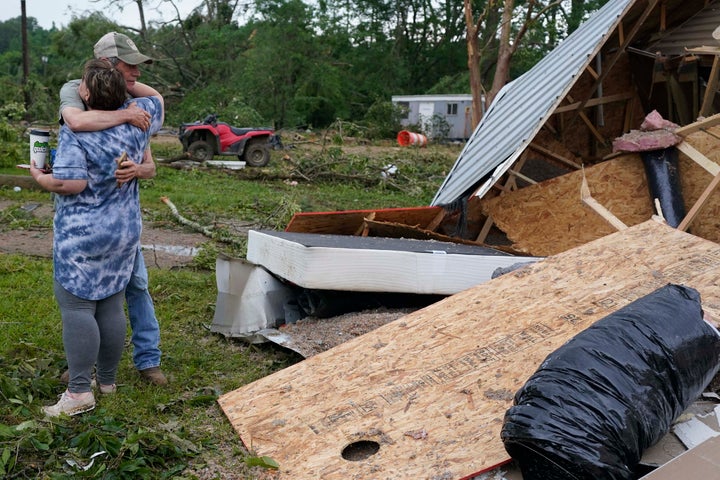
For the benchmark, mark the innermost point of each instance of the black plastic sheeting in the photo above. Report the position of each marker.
(661, 169)
(613, 390)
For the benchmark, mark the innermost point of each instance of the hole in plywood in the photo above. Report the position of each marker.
(360, 450)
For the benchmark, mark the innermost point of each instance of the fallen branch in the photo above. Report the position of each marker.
(296, 167)
(207, 231)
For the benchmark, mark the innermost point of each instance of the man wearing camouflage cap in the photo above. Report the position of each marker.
(122, 52)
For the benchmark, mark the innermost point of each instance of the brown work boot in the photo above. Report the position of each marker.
(154, 375)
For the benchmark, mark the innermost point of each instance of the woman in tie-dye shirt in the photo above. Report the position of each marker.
(96, 235)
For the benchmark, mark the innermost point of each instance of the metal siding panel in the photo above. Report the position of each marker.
(695, 32)
(522, 106)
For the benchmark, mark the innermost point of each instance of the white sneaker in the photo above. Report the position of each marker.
(70, 406)
(108, 389)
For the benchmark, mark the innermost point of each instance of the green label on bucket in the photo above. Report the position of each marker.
(40, 147)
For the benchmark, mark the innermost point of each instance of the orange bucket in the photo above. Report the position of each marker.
(407, 139)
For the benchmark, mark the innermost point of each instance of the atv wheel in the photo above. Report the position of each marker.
(200, 151)
(257, 154)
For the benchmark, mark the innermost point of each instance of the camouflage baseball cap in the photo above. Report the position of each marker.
(115, 44)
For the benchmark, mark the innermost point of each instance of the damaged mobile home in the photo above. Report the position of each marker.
(426, 396)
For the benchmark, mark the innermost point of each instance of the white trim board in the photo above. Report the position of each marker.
(375, 264)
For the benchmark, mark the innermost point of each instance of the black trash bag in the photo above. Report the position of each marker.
(613, 390)
(661, 169)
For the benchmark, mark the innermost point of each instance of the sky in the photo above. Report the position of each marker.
(62, 11)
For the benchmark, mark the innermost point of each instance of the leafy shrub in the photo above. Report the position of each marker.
(12, 149)
(383, 120)
(13, 111)
(437, 128)
(44, 106)
(229, 106)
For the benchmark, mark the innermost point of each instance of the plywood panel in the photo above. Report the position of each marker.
(347, 222)
(694, 179)
(431, 388)
(549, 217)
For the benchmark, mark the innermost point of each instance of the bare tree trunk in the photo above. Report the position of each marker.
(505, 52)
(474, 57)
(25, 54)
(141, 12)
(506, 46)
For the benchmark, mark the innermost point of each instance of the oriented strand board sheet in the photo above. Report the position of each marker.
(348, 222)
(549, 217)
(375, 264)
(694, 179)
(430, 389)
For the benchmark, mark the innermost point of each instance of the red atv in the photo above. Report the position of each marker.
(203, 140)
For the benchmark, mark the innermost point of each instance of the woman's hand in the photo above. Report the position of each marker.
(126, 171)
(36, 172)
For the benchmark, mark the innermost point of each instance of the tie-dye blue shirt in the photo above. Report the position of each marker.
(97, 231)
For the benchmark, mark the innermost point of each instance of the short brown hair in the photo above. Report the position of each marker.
(106, 85)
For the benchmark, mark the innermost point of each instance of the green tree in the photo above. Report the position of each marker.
(384, 48)
(287, 72)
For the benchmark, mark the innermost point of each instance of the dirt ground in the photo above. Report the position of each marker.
(162, 247)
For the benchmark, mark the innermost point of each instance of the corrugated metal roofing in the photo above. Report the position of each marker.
(523, 105)
(695, 32)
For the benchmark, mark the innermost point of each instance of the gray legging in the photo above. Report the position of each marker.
(93, 335)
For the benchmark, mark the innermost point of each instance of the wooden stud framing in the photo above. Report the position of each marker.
(554, 156)
(685, 223)
(629, 114)
(592, 72)
(698, 126)
(663, 16)
(598, 208)
(621, 50)
(698, 157)
(591, 126)
(711, 88)
(435, 223)
(363, 229)
(522, 177)
(596, 101)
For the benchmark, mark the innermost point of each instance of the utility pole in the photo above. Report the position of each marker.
(25, 53)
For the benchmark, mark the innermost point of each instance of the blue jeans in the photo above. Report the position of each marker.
(144, 324)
